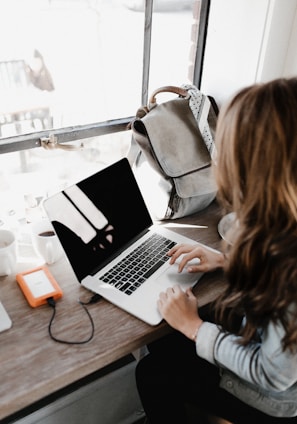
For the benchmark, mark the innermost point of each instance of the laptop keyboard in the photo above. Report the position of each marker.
(139, 265)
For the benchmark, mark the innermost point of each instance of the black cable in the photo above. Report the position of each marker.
(51, 302)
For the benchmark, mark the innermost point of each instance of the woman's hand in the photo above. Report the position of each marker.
(180, 310)
(210, 259)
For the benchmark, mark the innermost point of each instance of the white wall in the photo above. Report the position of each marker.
(248, 41)
(290, 66)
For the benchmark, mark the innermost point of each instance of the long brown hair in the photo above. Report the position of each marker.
(256, 174)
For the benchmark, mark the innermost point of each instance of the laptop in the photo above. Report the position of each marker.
(100, 222)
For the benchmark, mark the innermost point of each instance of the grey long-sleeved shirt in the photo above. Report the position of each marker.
(260, 374)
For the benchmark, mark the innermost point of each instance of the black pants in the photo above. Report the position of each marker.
(172, 376)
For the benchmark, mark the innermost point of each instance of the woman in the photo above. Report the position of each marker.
(243, 373)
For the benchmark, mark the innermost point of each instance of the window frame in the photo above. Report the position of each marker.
(80, 132)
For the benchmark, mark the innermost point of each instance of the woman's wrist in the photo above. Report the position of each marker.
(195, 334)
(192, 331)
(222, 260)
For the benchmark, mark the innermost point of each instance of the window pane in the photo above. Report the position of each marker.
(171, 43)
(78, 62)
(73, 62)
(29, 176)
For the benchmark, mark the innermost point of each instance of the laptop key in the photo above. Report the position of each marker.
(153, 269)
(125, 287)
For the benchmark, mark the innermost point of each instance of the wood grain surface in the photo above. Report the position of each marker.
(34, 366)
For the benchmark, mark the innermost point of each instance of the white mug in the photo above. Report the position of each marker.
(45, 241)
(8, 252)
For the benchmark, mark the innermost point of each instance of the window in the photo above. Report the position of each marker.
(74, 72)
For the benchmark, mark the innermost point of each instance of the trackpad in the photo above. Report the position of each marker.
(171, 277)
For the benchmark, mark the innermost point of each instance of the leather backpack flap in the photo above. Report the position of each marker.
(173, 145)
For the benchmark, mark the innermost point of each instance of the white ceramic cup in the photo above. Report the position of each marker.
(45, 241)
(8, 252)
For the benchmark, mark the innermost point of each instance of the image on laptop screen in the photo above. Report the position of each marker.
(98, 216)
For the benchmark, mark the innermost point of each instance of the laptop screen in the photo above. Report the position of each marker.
(98, 217)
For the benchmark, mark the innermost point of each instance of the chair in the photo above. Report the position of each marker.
(23, 107)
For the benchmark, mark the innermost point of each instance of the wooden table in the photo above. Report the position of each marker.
(33, 366)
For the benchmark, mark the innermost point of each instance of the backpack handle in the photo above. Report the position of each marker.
(182, 92)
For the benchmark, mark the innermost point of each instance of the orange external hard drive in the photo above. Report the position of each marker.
(38, 285)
